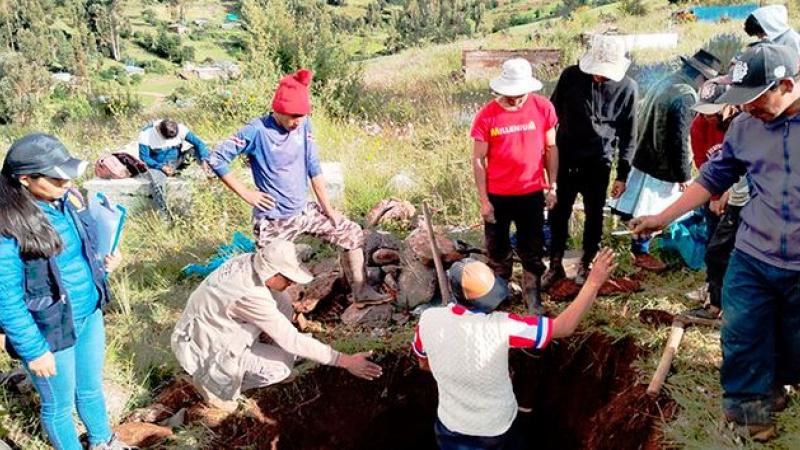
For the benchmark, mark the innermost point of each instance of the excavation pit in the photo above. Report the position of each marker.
(583, 393)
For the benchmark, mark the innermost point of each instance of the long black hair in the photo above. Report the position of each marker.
(22, 220)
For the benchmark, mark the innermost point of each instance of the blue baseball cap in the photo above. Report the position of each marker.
(474, 285)
(41, 153)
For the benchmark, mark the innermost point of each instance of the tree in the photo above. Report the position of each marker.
(105, 19)
(23, 84)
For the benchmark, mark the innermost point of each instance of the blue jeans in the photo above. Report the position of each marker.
(450, 440)
(760, 335)
(78, 382)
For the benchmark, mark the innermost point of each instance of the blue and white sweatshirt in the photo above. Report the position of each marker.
(156, 151)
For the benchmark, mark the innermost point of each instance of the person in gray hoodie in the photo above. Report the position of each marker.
(771, 23)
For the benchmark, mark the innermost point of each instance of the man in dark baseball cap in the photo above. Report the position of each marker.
(42, 154)
(761, 79)
(760, 337)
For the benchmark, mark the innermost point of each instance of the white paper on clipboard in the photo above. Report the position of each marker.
(110, 220)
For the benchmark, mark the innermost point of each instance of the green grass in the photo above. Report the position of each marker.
(415, 87)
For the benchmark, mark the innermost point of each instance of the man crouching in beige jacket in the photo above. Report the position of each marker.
(216, 339)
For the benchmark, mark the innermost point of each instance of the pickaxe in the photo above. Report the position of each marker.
(679, 323)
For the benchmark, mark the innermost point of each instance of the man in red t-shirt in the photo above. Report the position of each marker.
(515, 144)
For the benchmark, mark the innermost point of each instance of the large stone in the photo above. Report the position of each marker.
(141, 434)
(371, 316)
(391, 210)
(416, 285)
(375, 239)
(384, 256)
(318, 290)
(133, 193)
(418, 246)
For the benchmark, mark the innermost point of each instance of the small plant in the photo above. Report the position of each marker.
(633, 7)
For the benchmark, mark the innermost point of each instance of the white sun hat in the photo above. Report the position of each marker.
(606, 58)
(516, 79)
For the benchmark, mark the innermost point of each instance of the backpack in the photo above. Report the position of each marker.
(115, 166)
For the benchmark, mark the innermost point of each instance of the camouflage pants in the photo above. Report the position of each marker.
(313, 221)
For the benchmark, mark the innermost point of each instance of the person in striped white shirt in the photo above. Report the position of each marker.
(465, 346)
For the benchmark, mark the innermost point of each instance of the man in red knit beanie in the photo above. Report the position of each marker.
(282, 156)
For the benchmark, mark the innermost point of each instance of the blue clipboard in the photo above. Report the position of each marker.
(110, 220)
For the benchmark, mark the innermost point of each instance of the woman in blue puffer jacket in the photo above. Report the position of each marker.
(53, 289)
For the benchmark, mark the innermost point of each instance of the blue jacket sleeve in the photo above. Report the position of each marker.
(144, 155)
(199, 146)
(222, 156)
(313, 166)
(722, 170)
(16, 320)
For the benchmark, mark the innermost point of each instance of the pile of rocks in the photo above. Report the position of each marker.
(402, 269)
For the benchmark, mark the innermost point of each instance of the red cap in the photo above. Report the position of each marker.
(292, 96)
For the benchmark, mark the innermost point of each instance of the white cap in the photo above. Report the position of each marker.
(516, 79)
(606, 58)
(280, 257)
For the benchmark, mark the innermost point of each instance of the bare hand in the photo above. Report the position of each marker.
(43, 366)
(258, 199)
(112, 261)
(168, 171)
(618, 189)
(718, 206)
(603, 266)
(644, 226)
(487, 212)
(360, 366)
(550, 199)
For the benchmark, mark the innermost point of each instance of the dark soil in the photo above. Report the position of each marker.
(583, 392)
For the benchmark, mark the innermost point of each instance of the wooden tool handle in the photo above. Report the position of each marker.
(441, 276)
(664, 365)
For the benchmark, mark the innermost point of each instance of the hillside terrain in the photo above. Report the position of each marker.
(389, 99)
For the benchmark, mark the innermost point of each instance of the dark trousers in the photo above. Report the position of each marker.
(760, 334)
(592, 184)
(527, 214)
(718, 252)
(450, 440)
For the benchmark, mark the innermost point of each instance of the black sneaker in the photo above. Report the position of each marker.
(707, 312)
(753, 419)
(553, 274)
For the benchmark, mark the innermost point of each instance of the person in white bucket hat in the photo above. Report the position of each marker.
(516, 79)
(515, 162)
(596, 107)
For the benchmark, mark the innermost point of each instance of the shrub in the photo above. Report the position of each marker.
(633, 7)
(155, 66)
(23, 84)
(118, 103)
(149, 16)
(165, 45)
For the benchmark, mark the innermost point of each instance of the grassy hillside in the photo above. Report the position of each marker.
(423, 111)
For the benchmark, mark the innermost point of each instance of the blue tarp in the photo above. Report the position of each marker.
(716, 13)
(239, 244)
(689, 238)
